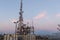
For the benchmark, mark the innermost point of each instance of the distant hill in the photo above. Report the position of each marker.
(54, 36)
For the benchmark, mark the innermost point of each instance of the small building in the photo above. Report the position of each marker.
(24, 37)
(19, 37)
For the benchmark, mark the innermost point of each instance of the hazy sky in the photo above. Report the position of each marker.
(44, 13)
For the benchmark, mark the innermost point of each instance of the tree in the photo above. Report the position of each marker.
(58, 26)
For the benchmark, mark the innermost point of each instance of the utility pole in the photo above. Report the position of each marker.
(15, 28)
(32, 27)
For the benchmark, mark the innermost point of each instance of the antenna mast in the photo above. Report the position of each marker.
(21, 14)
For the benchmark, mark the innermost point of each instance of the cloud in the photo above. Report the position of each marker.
(40, 15)
(58, 15)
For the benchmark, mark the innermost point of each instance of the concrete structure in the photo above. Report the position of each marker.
(10, 37)
(19, 37)
(24, 37)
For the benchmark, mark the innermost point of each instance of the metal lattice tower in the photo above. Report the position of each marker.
(21, 12)
(22, 28)
(20, 21)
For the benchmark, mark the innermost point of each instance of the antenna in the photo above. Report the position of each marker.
(32, 27)
(21, 13)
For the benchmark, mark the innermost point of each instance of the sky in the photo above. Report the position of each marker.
(45, 15)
